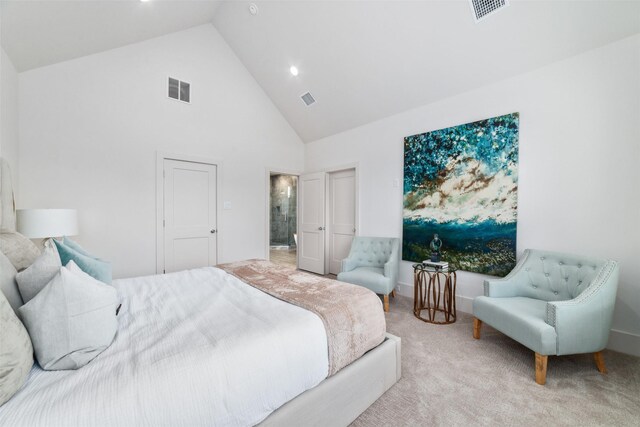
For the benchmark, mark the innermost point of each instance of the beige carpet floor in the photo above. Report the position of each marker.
(448, 378)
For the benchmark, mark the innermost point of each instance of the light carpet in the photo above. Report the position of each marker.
(449, 378)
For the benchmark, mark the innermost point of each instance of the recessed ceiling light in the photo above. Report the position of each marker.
(144, 1)
(293, 70)
(253, 9)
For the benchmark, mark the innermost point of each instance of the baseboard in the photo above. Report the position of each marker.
(463, 304)
(624, 342)
(621, 341)
(405, 289)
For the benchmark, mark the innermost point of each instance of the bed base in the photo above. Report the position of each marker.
(340, 399)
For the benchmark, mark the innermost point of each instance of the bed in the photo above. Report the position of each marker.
(244, 344)
(202, 347)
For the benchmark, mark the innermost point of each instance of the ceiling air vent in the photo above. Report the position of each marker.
(308, 99)
(483, 8)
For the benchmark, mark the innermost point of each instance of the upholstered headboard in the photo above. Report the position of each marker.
(8, 285)
(7, 199)
(16, 247)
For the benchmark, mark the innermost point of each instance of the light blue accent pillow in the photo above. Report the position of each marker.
(96, 268)
(76, 247)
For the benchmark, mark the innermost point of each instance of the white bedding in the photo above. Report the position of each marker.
(193, 348)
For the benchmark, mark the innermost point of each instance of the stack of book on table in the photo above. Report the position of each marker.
(440, 265)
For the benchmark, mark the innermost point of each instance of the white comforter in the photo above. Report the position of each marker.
(193, 348)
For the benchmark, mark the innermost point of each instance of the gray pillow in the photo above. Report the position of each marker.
(21, 251)
(39, 274)
(72, 320)
(8, 284)
(16, 352)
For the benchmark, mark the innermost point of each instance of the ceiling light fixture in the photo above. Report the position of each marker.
(144, 1)
(293, 70)
(253, 9)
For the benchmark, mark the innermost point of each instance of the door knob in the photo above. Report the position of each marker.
(320, 228)
(213, 231)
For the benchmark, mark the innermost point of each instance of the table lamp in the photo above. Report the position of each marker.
(46, 223)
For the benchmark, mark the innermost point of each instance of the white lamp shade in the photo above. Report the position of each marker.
(44, 223)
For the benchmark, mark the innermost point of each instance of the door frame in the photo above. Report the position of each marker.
(356, 195)
(277, 171)
(161, 156)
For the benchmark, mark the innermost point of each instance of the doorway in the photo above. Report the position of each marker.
(341, 218)
(328, 218)
(187, 213)
(283, 219)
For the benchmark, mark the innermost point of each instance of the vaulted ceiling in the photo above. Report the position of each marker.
(38, 33)
(361, 60)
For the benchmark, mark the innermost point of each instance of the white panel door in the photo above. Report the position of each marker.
(311, 239)
(189, 215)
(342, 216)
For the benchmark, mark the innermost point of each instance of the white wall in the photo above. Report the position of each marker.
(90, 129)
(9, 114)
(579, 174)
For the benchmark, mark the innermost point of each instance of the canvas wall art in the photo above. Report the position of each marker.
(462, 184)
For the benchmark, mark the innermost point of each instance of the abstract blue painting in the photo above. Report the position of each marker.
(462, 183)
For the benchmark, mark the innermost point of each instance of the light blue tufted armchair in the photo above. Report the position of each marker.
(373, 263)
(554, 304)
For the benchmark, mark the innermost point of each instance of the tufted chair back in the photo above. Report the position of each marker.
(373, 251)
(553, 276)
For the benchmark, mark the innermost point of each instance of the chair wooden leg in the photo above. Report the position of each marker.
(477, 325)
(386, 303)
(599, 358)
(393, 293)
(541, 369)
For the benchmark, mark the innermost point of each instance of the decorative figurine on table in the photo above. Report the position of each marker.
(435, 246)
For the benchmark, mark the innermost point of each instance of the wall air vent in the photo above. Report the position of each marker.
(483, 8)
(179, 90)
(308, 99)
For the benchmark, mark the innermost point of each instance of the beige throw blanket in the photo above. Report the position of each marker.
(352, 315)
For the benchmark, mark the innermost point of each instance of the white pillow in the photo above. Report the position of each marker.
(72, 320)
(8, 284)
(35, 278)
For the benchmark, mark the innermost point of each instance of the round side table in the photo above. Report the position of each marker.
(434, 292)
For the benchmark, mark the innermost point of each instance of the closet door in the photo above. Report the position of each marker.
(311, 225)
(342, 216)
